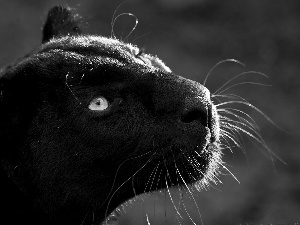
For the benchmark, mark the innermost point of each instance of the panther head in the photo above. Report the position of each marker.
(89, 122)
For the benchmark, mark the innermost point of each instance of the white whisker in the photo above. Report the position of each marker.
(154, 171)
(221, 164)
(191, 194)
(219, 63)
(218, 91)
(229, 111)
(68, 86)
(246, 82)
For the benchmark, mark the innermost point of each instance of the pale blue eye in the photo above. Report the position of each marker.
(99, 104)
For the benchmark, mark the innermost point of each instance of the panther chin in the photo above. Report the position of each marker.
(195, 169)
(92, 122)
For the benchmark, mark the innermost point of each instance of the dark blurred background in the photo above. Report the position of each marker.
(191, 36)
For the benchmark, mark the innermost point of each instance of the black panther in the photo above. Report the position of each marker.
(89, 122)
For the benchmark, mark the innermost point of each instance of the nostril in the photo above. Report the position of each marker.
(192, 115)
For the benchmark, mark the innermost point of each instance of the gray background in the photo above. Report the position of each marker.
(191, 36)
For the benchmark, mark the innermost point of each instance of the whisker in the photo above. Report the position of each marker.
(113, 20)
(191, 194)
(239, 75)
(118, 169)
(185, 209)
(215, 177)
(246, 82)
(136, 23)
(226, 146)
(168, 190)
(154, 171)
(250, 127)
(234, 133)
(68, 86)
(148, 222)
(134, 40)
(111, 190)
(84, 218)
(159, 178)
(254, 135)
(251, 122)
(253, 107)
(224, 167)
(229, 96)
(219, 63)
(125, 183)
(233, 139)
(260, 140)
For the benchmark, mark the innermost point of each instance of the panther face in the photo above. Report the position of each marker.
(90, 122)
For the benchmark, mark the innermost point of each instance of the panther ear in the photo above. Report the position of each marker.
(61, 21)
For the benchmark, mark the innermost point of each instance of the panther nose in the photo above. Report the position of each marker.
(177, 98)
(197, 108)
(195, 111)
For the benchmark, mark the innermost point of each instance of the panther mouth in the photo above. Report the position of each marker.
(180, 163)
(195, 166)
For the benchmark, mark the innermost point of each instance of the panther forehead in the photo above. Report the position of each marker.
(91, 45)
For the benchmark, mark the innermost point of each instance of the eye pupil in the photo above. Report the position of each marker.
(99, 104)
